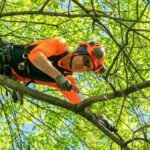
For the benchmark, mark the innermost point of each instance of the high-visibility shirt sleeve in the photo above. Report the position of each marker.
(49, 47)
(71, 96)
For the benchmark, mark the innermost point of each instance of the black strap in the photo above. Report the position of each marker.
(68, 72)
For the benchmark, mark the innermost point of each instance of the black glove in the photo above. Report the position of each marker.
(63, 83)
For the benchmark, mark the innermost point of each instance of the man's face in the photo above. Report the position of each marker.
(81, 63)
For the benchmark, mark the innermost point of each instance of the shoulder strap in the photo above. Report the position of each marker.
(26, 47)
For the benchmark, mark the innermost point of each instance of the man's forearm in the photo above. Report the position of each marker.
(45, 66)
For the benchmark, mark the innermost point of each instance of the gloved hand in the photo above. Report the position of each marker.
(63, 83)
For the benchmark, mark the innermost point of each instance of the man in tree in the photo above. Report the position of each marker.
(49, 62)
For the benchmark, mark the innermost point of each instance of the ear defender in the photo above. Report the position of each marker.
(99, 53)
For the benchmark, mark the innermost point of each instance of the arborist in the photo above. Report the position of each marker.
(50, 62)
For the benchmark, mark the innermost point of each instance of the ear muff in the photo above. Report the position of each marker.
(99, 53)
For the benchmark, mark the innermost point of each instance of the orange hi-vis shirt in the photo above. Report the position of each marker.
(50, 47)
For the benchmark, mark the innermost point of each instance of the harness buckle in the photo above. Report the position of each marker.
(25, 55)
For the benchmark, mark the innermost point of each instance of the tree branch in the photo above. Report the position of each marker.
(2, 6)
(44, 5)
(105, 97)
(46, 13)
(117, 140)
(97, 21)
(138, 139)
(68, 15)
(6, 81)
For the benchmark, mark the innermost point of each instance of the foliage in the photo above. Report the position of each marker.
(121, 26)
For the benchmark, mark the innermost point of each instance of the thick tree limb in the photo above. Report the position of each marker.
(5, 81)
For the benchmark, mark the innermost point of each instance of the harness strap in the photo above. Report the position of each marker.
(27, 67)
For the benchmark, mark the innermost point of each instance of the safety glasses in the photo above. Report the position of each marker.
(86, 61)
